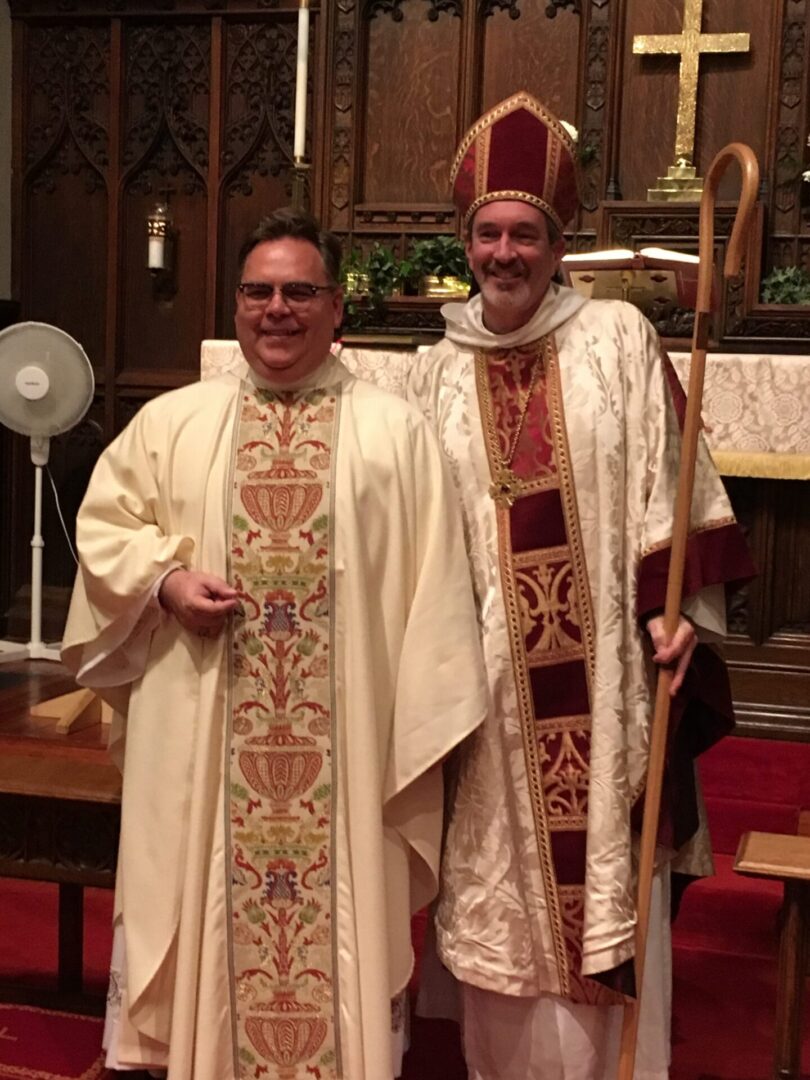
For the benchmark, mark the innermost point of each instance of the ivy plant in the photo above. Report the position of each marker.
(440, 256)
(786, 285)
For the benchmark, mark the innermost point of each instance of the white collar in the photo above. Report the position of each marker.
(328, 373)
(465, 322)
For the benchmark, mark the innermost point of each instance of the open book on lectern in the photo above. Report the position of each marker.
(653, 278)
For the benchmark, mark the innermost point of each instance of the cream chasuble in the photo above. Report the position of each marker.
(563, 443)
(351, 671)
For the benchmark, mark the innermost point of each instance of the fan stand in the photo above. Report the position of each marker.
(36, 649)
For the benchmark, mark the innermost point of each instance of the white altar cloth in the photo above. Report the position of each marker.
(756, 408)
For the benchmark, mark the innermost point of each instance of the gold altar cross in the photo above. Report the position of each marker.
(689, 44)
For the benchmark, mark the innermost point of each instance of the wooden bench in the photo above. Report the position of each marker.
(787, 858)
(59, 816)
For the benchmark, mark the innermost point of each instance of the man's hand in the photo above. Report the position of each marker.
(677, 652)
(200, 602)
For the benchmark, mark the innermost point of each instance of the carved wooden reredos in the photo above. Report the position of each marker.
(118, 103)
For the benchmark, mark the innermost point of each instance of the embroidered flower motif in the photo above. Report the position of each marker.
(279, 615)
(242, 725)
(242, 935)
(281, 885)
(241, 665)
(319, 668)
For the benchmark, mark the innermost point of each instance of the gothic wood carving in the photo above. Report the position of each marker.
(166, 139)
(489, 7)
(343, 135)
(791, 127)
(371, 8)
(593, 119)
(69, 86)
(260, 89)
(562, 5)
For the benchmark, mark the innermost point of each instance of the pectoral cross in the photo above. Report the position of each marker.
(689, 44)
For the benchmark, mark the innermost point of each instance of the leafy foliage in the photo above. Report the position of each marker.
(382, 267)
(441, 256)
(786, 285)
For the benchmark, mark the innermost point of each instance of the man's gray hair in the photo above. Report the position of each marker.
(299, 226)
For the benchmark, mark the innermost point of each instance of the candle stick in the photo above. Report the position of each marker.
(299, 141)
(157, 227)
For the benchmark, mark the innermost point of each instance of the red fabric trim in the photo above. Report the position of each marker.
(713, 557)
(568, 851)
(537, 521)
(560, 690)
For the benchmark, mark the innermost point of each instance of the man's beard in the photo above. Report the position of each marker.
(513, 298)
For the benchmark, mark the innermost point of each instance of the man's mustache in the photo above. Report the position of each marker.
(515, 267)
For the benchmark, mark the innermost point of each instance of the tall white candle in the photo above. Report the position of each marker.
(299, 141)
(157, 247)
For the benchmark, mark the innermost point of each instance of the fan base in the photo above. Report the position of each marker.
(11, 651)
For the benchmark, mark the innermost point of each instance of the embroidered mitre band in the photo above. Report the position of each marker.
(518, 150)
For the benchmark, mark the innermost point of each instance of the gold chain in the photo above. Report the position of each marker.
(505, 484)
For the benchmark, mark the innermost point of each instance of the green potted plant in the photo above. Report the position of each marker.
(382, 268)
(441, 265)
(368, 281)
(353, 273)
(786, 285)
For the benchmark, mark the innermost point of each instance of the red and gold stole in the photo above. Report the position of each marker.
(281, 711)
(550, 621)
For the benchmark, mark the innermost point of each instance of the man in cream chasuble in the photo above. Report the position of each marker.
(274, 596)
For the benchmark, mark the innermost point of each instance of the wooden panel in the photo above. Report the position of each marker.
(411, 104)
(165, 153)
(727, 81)
(791, 555)
(64, 282)
(66, 153)
(257, 140)
(769, 619)
(651, 90)
(533, 53)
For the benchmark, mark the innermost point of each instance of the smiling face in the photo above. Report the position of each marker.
(284, 342)
(513, 261)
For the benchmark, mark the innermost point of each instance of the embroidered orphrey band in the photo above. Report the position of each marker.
(548, 609)
(280, 759)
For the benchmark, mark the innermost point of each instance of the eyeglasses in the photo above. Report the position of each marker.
(294, 293)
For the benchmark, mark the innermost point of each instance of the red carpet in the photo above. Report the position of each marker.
(40, 1045)
(724, 956)
(725, 938)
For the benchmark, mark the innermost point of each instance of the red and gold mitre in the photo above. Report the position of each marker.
(517, 150)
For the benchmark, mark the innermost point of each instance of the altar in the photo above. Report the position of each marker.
(755, 407)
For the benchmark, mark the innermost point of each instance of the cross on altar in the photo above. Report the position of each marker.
(689, 44)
